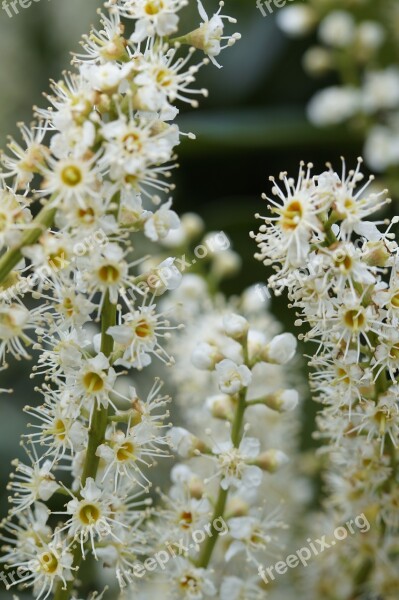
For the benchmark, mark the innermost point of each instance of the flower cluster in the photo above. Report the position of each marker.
(99, 162)
(359, 42)
(341, 274)
(238, 429)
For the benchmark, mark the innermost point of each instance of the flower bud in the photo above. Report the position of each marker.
(226, 264)
(271, 460)
(221, 407)
(297, 21)
(205, 356)
(235, 326)
(237, 507)
(376, 254)
(196, 487)
(283, 400)
(185, 443)
(193, 225)
(281, 349)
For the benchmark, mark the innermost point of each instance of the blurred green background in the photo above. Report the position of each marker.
(252, 125)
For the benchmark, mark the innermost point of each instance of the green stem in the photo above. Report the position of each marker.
(96, 434)
(220, 506)
(41, 223)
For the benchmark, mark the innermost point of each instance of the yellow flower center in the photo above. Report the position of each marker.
(93, 382)
(109, 274)
(48, 562)
(153, 7)
(163, 77)
(71, 175)
(143, 329)
(291, 215)
(125, 452)
(89, 514)
(354, 319)
(60, 429)
(343, 262)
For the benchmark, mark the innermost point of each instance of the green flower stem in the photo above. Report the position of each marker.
(96, 433)
(41, 223)
(100, 417)
(220, 506)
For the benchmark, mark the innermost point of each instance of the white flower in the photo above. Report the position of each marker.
(104, 270)
(58, 430)
(370, 34)
(93, 383)
(153, 17)
(159, 224)
(105, 44)
(15, 218)
(32, 483)
(167, 276)
(45, 565)
(298, 206)
(382, 147)
(381, 90)
(26, 160)
(252, 535)
(91, 515)
(72, 179)
(189, 582)
(162, 79)
(337, 29)
(297, 20)
(334, 105)
(234, 588)
(140, 336)
(15, 322)
(106, 77)
(125, 453)
(235, 465)
(209, 35)
(232, 378)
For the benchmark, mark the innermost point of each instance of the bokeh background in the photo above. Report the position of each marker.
(252, 125)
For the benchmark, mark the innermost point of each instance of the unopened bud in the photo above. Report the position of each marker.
(237, 507)
(221, 406)
(283, 400)
(205, 356)
(185, 443)
(271, 460)
(235, 326)
(281, 349)
(196, 488)
(376, 254)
